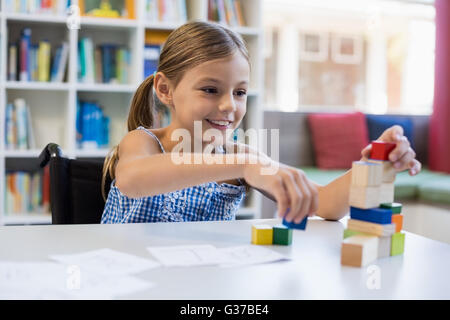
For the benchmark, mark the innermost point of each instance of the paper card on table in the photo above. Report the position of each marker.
(46, 280)
(249, 254)
(186, 256)
(107, 262)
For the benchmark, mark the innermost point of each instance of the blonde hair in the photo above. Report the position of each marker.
(186, 47)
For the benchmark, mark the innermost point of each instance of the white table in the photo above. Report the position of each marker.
(314, 272)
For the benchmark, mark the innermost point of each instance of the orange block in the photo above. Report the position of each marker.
(398, 220)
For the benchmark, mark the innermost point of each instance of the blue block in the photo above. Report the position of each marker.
(375, 215)
(292, 225)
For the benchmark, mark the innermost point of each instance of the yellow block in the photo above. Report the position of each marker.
(262, 234)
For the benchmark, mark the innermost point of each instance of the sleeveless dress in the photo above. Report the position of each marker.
(206, 202)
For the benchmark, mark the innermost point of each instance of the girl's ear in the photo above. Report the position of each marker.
(163, 88)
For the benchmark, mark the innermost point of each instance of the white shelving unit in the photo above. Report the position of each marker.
(53, 105)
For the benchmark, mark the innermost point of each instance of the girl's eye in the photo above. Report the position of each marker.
(209, 90)
(241, 93)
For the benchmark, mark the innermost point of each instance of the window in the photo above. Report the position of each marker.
(370, 55)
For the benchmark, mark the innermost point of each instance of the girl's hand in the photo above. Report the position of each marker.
(294, 193)
(403, 156)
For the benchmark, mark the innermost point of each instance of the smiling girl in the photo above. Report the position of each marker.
(203, 78)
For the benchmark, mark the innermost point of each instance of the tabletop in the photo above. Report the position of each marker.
(314, 271)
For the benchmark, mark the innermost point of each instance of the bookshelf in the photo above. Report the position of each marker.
(53, 105)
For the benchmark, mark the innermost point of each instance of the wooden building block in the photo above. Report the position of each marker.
(384, 246)
(397, 243)
(375, 215)
(384, 243)
(262, 234)
(387, 193)
(349, 233)
(359, 250)
(398, 220)
(394, 206)
(380, 150)
(282, 235)
(364, 197)
(300, 226)
(371, 228)
(366, 173)
(388, 170)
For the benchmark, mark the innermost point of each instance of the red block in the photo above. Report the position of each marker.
(381, 150)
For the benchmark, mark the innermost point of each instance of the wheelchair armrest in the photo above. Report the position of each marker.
(50, 150)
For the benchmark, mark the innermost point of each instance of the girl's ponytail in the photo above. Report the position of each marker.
(141, 114)
(141, 109)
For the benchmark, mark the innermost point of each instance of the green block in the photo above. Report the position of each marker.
(394, 206)
(350, 233)
(397, 243)
(282, 235)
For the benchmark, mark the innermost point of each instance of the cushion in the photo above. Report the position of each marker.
(378, 123)
(338, 138)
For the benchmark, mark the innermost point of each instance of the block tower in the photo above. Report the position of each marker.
(375, 224)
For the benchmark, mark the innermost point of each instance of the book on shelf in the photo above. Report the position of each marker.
(27, 192)
(228, 12)
(25, 43)
(151, 57)
(50, 7)
(19, 134)
(59, 63)
(166, 11)
(92, 126)
(34, 61)
(154, 40)
(108, 9)
(105, 63)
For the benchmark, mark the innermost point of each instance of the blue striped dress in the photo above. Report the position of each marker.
(205, 202)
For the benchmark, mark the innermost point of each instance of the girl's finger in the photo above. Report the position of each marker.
(400, 150)
(365, 153)
(294, 194)
(280, 195)
(405, 161)
(305, 196)
(415, 168)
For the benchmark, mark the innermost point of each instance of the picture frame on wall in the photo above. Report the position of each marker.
(346, 48)
(313, 46)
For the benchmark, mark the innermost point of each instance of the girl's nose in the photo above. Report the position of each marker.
(227, 104)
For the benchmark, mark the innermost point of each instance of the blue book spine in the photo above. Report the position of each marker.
(85, 118)
(78, 125)
(105, 130)
(105, 66)
(151, 57)
(375, 215)
(89, 113)
(97, 125)
(9, 126)
(23, 6)
(55, 65)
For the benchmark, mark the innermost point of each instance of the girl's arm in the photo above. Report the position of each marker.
(143, 171)
(333, 201)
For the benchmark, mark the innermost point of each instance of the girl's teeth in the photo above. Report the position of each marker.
(220, 123)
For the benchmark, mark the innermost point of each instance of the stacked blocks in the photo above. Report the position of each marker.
(263, 234)
(373, 230)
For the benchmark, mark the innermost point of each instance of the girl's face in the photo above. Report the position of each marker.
(213, 93)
